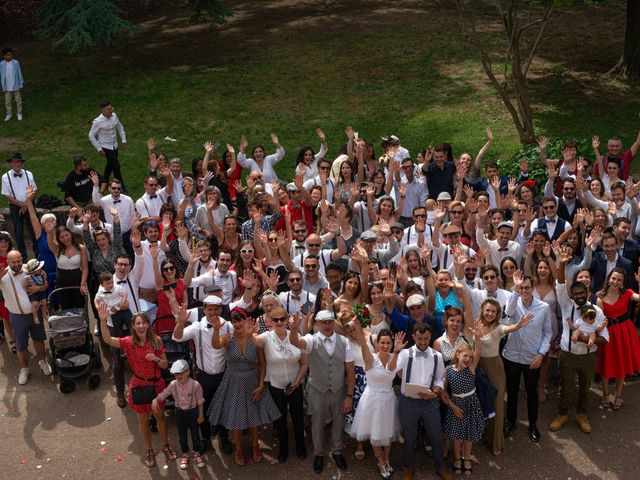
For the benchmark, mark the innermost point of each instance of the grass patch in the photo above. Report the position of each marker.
(290, 67)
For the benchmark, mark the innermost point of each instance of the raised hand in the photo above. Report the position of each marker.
(349, 132)
(113, 211)
(151, 143)
(208, 147)
(95, 179)
(517, 279)
(489, 135)
(552, 172)
(274, 139)
(565, 255)
(135, 238)
(546, 250)
(230, 148)
(73, 213)
(154, 251)
(525, 319)
(542, 143)
(321, 136)
(399, 342)
(244, 143)
(238, 186)
(595, 142)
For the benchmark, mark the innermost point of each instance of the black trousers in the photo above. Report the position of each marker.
(294, 404)
(19, 220)
(210, 384)
(513, 372)
(112, 166)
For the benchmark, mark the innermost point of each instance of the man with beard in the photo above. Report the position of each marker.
(78, 186)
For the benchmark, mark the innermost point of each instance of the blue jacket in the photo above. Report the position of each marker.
(17, 75)
(599, 271)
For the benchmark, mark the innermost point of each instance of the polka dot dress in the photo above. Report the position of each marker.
(471, 426)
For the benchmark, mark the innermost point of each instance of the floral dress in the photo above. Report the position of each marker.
(141, 367)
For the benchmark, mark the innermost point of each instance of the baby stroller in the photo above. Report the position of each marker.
(174, 351)
(72, 351)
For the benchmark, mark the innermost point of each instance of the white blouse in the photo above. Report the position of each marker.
(283, 360)
(269, 162)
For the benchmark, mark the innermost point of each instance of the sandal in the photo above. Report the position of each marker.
(150, 459)
(171, 455)
(184, 461)
(359, 454)
(617, 403)
(467, 470)
(239, 458)
(257, 454)
(457, 469)
(604, 403)
(12, 346)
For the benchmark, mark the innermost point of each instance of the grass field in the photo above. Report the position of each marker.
(291, 66)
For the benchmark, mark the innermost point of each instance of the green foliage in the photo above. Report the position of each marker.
(537, 170)
(81, 24)
(209, 10)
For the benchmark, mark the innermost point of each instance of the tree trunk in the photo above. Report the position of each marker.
(629, 64)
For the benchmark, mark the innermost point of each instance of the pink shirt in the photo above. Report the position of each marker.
(186, 396)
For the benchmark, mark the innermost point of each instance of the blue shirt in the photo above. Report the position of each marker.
(534, 339)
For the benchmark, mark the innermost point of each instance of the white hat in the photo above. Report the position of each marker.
(179, 366)
(415, 299)
(32, 265)
(212, 300)
(325, 315)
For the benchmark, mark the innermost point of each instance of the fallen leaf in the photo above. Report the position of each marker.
(23, 461)
(102, 450)
(119, 458)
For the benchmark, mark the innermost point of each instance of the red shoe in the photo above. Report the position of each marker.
(239, 458)
(257, 454)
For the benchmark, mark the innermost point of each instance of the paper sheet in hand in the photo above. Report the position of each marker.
(413, 389)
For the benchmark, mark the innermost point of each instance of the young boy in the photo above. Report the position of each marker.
(115, 300)
(11, 80)
(586, 325)
(34, 275)
(189, 400)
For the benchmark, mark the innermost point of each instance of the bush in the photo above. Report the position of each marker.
(537, 170)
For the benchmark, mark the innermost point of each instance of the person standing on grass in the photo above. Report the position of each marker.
(11, 80)
(22, 323)
(104, 137)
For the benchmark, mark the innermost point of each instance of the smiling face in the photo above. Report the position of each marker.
(585, 277)
(224, 261)
(614, 147)
(140, 327)
(595, 188)
(422, 340)
(465, 358)
(376, 294)
(543, 271)
(351, 286)
(269, 302)
(526, 194)
(489, 313)
(443, 280)
(258, 154)
(454, 324)
(616, 281)
(386, 207)
(325, 327)
(102, 240)
(385, 344)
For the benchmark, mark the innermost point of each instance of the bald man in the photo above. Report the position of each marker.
(16, 300)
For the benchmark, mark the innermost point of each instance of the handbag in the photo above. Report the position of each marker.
(144, 394)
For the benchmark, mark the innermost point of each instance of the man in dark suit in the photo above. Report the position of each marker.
(606, 260)
(568, 205)
(627, 247)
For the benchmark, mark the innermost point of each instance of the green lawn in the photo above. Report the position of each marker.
(291, 67)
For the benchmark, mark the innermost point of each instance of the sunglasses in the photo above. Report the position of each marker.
(457, 212)
(273, 240)
(116, 188)
(278, 319)
(295, 279)
(300, 231)
(152, 184)
(168, 269)
(246, 251)
(420, 216)
(548, 207)
(569, 189)
(152, 223)
(407, 167)
(489, 277)
(313, 245)
(311, 267)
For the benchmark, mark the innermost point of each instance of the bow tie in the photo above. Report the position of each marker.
(492, 295)
(420, 353)
(550, 220)
(209, 325)
(295, 297)
(151, 197)
(17, 174)
(107, 292)
(505, 249)
(120, 282)
(223, 275)
(15, 274)
(327, 339)
(116, 201)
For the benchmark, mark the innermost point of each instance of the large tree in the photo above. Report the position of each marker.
(629, 64)
(523, 26)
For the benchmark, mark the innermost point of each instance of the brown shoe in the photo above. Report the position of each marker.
(407, 474)
(584, 424)
(445, 474)
(120, 400)
(558, 422)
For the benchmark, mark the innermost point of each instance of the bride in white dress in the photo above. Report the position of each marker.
(377, 418)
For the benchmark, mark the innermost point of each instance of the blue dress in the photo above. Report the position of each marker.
(50, 264)
(441, 303)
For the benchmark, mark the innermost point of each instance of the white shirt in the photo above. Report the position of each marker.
(226, 281)
(10, 77)
(569, 307)
(283, 359)
(291, 304)
(199, 269)
(324, 259)
(104, 131)
(124, 205)
(211, 360)
(611, 264)
(329, 345)
(77, 227)
(411, 235)
(331, 186)
(16, 186)
(480, 295)
(177, 193)
(150, 207)
(446, 258)
(130, 284)
(497, 252)
(20, 305)
(268, 172)
(148, 279)
(421, 368)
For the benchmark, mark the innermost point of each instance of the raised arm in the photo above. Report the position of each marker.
(483, 150)
(106, 336)
(33, 217)
(294, 337)
(154, 250)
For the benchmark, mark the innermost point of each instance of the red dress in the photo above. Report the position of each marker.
(4, 313)
(621, 356)
(165, 321)
(142, 367)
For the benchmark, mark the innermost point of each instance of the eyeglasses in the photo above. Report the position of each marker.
(407, 167)
(120, 264)
(300, 231)
(295, 279)
(457, 212)
(569, 189)
(278, 319)
(489, 277)
(152, 184)
(169, 268)
(325, 168)
(246, 251)
(311, 267)
(313, 245)
(273, 240)
(116, 188)
(548, 207)
(470, 269)
(420, 215)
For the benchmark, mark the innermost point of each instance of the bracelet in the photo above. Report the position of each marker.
(156, 361)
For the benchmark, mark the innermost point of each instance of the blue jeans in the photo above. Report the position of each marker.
(188, 420)
(413, 410)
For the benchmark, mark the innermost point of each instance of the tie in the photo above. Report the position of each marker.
(151, 197)
(116, 201)
(17, 175)
(492, 295)
(551, 220)
(121, 282)
(420, 353)
(327, 339)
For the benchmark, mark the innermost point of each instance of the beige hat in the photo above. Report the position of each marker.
(451, 228)
(415, 299)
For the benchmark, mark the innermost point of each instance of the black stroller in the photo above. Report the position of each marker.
(72, 351)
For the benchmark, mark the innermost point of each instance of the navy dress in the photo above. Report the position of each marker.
(471, 426)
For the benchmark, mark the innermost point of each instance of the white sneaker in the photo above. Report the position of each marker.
(23, 378)
(19, 117)
(7, 118)
(45, 367)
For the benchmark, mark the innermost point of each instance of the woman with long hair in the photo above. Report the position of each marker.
(213, 207)
(379, 319)
(491, 363)
(378, 182)
(508, 267)
(241, 402)
(169, 239)
(307, 161)
(621, 355)
(146, 355)
(188, 206)
(539, 248)
(228, 237)
(72, 262)
(259, 162)
(445, 293)
(166, 276)
(386, 210)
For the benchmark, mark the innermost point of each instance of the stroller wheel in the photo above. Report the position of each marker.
(93, 381)
(98, 357)
(66, 386)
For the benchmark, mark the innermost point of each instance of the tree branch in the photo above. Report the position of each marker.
(545, 20)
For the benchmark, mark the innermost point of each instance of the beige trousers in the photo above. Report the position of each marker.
(7, 101)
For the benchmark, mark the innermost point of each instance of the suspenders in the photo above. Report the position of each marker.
(433, 375)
